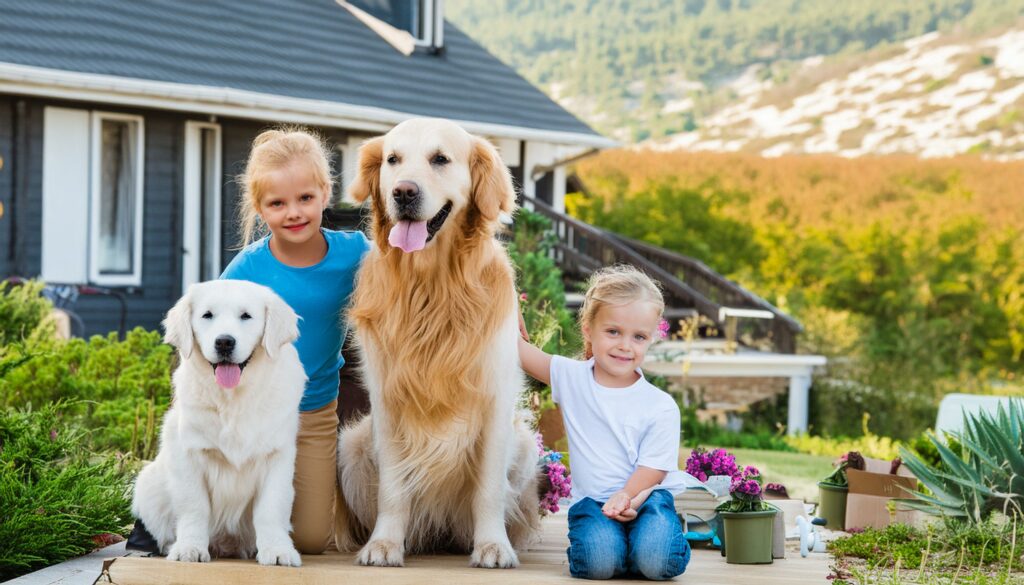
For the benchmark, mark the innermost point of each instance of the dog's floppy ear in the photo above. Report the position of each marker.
(178, 325)
(492, 183)
(367, 179)
(281, 325)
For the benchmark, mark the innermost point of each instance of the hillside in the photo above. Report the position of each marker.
(933, 96)
(652, 68)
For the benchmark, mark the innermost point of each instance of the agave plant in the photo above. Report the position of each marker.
(988, 476)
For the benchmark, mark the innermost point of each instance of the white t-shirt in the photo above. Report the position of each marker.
(612, 431)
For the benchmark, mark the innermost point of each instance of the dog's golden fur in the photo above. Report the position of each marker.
(430, 326)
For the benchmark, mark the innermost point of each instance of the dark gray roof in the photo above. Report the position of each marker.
(313, 49)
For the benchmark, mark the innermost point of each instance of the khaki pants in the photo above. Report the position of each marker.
(316, 478)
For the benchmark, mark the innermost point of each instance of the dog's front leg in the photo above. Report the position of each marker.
(272, 513)
(191, 504)
(386, 547)
(491, 546)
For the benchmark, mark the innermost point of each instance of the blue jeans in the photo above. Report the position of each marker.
(651, 545)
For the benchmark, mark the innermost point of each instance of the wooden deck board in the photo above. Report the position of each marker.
(543, 563)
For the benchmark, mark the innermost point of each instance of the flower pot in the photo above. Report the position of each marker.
(719, 484)
(748, 537)
(832, 506)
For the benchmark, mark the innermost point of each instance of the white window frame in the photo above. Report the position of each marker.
(191, 222)
(135, 278)
(433, 24)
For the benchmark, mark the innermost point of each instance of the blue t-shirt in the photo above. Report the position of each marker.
(319, 295)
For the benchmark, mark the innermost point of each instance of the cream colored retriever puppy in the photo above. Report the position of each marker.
(222, 481)
(435, 317)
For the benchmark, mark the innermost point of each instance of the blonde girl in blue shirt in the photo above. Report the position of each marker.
(285, 189)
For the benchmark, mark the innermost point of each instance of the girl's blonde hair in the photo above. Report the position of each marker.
(616, 285)
(273, 150)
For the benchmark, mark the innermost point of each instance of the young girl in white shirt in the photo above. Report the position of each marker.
(623, 435)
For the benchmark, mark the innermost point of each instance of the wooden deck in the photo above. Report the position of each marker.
(544, 563)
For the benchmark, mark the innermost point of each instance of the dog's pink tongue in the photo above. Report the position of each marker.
(409, 235)
(228, 375)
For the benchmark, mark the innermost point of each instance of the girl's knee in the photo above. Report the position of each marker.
(596, 550)
(662, 565)
(311, 543)
(595, 562)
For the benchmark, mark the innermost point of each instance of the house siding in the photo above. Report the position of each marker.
(163, 210)
(6, 183)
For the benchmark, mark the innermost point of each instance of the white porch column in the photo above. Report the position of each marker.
(799, 395)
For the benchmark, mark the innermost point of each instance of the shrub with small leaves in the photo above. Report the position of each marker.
(23, 312)
(56, 497)
(119, 389)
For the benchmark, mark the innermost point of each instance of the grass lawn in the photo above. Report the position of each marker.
(800, 473)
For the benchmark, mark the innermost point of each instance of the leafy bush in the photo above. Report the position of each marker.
(55, 496)
(987, 477)
(23, 312)
(868, 444)
(118, 390)
(552, 327)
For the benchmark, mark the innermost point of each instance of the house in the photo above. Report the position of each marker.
(124, 123)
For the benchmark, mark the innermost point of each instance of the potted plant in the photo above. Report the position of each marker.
(833, 489)
(748, 521)
(716, 469)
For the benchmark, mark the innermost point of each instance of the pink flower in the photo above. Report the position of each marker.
(522, 297)
(663, 328)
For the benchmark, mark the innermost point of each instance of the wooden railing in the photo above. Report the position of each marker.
(687, 283)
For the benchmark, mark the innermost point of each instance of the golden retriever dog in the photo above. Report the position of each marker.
(446, 459)
(221, 483)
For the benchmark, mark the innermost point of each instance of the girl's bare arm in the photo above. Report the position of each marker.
(535, 362)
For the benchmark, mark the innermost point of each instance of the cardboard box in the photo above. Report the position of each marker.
(870, 491)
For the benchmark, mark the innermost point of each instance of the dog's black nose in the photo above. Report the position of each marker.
(405, 193)
(224, 344)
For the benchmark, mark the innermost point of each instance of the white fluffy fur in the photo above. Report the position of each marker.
(222, 481)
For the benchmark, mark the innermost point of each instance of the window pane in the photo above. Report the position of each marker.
(118, 168)
(403, 14)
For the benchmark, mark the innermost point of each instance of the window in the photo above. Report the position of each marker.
(115, 235)
(423, 19)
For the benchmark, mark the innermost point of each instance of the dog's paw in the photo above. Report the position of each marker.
(494, 555)
(382, 553)
(189, 553)
(284, 555)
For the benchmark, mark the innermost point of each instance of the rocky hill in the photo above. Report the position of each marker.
(933, 96)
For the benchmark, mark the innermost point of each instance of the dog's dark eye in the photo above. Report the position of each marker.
(440, 159)
(207, 315)
(392, 159)
(245, 317)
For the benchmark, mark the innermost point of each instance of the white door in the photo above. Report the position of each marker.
(202, 234)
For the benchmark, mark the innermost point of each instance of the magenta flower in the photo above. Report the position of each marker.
(703, 464)
(559, 480)
(663, 328)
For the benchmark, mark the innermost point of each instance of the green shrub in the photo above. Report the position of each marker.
(552, 327)
(22, 312)
(55, 496)
(119, 389)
